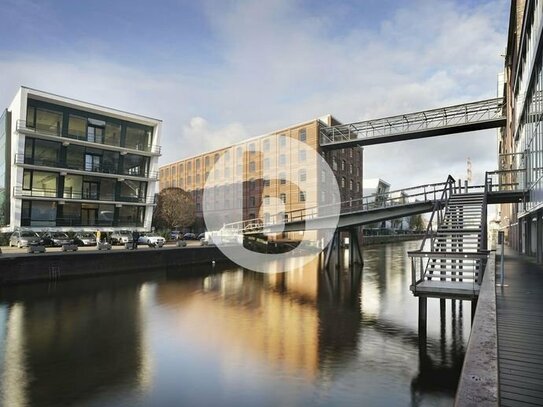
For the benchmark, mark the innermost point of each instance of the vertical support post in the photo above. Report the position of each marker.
(466, 186)
(338, 249)
(329, 251)
(422, 317)
(351, 248)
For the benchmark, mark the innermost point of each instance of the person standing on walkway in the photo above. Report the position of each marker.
(98, 236)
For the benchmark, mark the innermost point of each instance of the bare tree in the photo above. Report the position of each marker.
(175, 208)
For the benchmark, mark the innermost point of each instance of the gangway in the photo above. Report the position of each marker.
(480, 115)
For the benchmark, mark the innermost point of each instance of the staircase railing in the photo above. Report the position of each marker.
(440, 207)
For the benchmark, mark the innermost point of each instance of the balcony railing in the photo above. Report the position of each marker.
(79, 166)
(56, 131)
(78, 222)
(77, 196)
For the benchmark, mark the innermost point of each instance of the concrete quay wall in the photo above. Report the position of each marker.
(59, 266)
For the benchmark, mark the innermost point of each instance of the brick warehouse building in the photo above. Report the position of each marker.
(292, 175)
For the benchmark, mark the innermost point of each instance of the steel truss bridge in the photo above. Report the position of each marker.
(484, 114)
(502, 186)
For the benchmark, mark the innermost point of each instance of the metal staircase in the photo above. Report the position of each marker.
(451, 260)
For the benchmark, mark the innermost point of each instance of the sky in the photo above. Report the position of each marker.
(219, 71)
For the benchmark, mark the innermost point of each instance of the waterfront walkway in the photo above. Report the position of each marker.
(520, 331)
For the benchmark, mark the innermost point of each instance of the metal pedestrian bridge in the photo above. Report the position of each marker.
(480, 115)
(502, 186)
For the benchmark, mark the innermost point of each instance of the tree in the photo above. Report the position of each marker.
(175, 208)
(416, 223)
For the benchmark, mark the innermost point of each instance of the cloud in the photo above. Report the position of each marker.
(279, 63)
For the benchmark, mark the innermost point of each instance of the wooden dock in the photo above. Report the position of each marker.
(520, 332)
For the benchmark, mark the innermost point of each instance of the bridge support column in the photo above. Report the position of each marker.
(355, 253)
(333, 253)
(423, 312)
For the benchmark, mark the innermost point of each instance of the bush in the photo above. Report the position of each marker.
(4, 239)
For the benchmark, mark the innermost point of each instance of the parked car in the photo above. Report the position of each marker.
(201, 236)
(24, 238)
(175, 234)
(189, 236)
(152, 240)
(121, 237)
(56, 239)
(85, 239)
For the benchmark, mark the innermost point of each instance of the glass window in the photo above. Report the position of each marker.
(282, 178)
(73, 185)
(46, 153)
(252, 166)
(27, 180)
(93, 162)
(138, 138)
(282, 140)
(302, 196)
(48, 121)
(266, 163)
(131, 216)
(71, 214)
(112, 136)
(135, 165)
(31, 117)
(266, 145)
(105, 214)
(282, 159)
(132, 190)
(96, 130)
(44, 183)
(107, 189)
(301, 155)
(283, 198)
(302, 175)
(302, 135)
(75, 157)
(43, 213)
(252, 201)
(77, 127)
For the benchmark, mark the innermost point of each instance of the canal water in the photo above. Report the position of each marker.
(213, 336)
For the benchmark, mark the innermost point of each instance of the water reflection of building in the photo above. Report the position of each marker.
(270, 316)
(63, 348)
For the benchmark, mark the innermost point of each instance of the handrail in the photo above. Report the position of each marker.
(77, 166)
(448, 187)
(57, 132)
(53, 194)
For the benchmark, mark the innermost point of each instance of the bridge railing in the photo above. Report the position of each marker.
(375, 201)
(485, 110)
